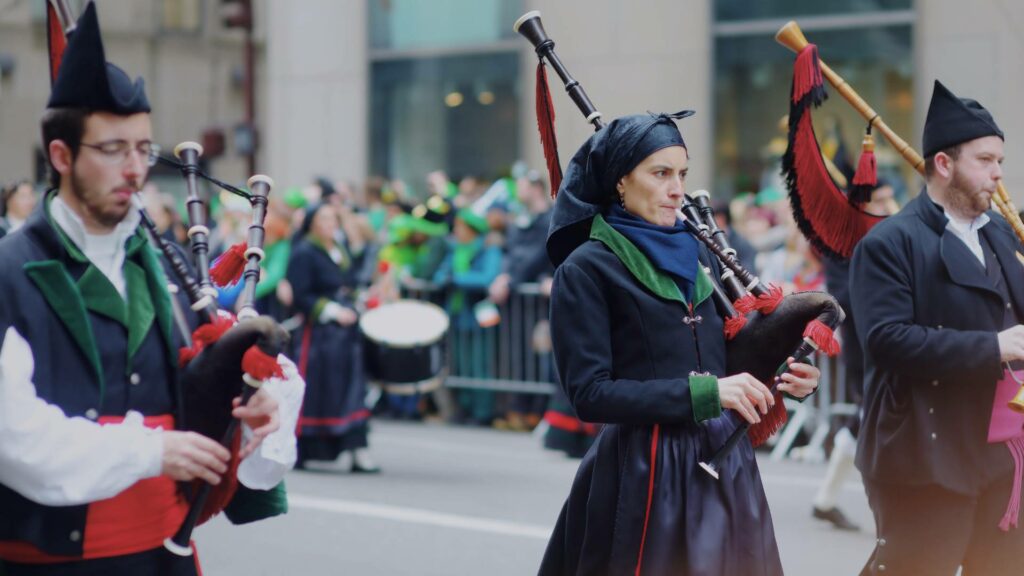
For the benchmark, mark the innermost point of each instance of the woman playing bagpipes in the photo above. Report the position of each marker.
(639, 347)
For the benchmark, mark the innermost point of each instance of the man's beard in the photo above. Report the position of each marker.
(88, 201)
(963, 200)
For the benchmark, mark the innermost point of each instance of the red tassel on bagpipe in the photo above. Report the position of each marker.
(821, 210)
(204, 335)
(228, 268)
(546, 126)
(765, 303)
(823, 337)
(770, 423)
(260, 365)
(733, 325)
(865, 180)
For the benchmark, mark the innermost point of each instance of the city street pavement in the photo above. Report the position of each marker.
(458, 501)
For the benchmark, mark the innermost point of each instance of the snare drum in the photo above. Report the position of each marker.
(404, 345)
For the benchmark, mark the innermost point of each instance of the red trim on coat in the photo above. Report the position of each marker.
(650, 496)
(137, 519)
(355, 416)
(568, 423)
(307, 334)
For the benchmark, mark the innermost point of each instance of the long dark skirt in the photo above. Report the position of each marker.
(689, 524)
(334, 414)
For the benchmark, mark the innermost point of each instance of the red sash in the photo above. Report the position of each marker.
(137, 519)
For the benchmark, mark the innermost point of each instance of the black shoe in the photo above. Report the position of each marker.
(836, 517)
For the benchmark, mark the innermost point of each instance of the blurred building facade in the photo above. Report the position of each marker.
(349, 88)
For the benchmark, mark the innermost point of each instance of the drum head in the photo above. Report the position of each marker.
(405, 324)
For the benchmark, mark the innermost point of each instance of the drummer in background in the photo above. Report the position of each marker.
(469, 268)
(334, 421)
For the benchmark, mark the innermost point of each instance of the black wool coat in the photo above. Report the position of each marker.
(624, 356)
(927, 318)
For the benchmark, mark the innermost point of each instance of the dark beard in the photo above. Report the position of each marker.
(962, 200)
(78, 189)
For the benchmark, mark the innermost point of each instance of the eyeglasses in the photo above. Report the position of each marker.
(115, 152)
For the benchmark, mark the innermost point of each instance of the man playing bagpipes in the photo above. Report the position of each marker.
(938, 293)
(90, 384)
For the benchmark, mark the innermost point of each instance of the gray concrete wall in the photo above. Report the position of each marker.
(188, 78)
(630, 57)
(977, 51)
(317, 96)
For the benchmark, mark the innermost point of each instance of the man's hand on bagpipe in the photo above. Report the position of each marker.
(189, 456)
(260, 415)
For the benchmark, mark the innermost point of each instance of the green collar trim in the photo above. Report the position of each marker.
(641, 268)
(59, 290)
(146, 290)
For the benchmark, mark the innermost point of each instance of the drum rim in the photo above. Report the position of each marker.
(418, 343)
(410, 388)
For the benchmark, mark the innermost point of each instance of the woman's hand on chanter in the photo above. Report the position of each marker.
(744, 394)
(800, 380)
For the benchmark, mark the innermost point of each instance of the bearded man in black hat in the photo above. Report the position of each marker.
(90, 388)
(938, 293)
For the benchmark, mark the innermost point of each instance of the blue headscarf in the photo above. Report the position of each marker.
(588, 187)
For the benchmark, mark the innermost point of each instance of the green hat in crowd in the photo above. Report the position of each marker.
(431, 218)
(769, 195)
(294, 198)
(474, 220)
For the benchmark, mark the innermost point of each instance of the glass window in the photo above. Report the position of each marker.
(415, 24)
(752, 85)
(731, 10)
(458, 113)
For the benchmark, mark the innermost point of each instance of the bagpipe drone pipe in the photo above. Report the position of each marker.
(763, 327)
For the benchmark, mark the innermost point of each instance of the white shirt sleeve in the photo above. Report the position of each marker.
(55, 460)
(265, 467)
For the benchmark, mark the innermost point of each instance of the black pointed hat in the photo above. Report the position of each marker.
(86, 80)
(953, 120)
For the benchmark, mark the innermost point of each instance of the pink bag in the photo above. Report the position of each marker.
(1005, 424)
(1008, 426)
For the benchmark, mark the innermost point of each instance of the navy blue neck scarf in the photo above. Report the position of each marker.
(671, 249)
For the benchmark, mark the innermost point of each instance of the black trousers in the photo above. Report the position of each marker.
(156, 562)
(930, 531)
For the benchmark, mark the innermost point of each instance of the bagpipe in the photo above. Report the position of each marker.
(252, 343)
(833, 221)
(763, 328)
